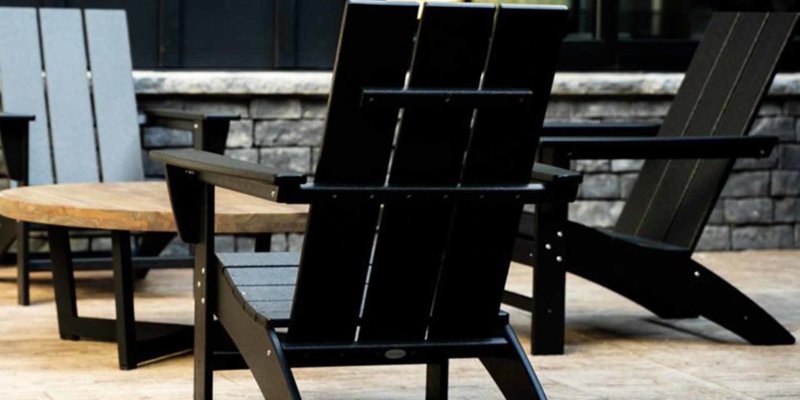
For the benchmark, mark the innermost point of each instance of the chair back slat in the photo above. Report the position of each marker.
(68, 99)
(22, 85)
(374, 51)
(672, 199)
(113, 94)
(524, 51)
(736, 119)
(450, 53)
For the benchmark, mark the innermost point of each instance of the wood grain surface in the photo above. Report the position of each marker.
(142, 207)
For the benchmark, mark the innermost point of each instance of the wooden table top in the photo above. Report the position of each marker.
(141, 207)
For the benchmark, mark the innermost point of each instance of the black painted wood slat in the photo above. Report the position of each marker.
(502, 149)
(451, 50)
(672, 199)
(374, 50)
(685, 102)
(703, 121)
(736, 120)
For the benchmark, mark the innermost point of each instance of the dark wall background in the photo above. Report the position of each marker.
(302, 34)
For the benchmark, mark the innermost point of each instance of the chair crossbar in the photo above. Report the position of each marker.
(399, 98)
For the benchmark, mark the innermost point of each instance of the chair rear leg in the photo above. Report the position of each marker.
(512, 371)
(437, 382)
(8, 233)
(722, 303)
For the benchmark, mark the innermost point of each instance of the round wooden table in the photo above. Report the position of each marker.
(122, 208)
(141, 207)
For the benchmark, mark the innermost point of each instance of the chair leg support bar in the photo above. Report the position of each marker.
(512, 372)
(722, 303)
(258, 345)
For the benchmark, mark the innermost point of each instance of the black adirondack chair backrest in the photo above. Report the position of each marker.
(72, 70)
(431, 270)
(725, 84)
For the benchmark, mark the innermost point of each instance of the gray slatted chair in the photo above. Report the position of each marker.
(456, 184)
(647, 256)
(85, 102)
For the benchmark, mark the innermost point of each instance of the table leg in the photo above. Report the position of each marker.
(23, 266)
(137, 341)
(123, 292)
(63, 281)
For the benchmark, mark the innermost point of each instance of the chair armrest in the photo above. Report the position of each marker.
(549, 173)
(14, 131)
(661, 147)
(217, 168)
(209, 131)
(615, 129)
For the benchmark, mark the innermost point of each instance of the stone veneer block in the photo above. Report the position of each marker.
(249, 155)
(314, 109)
(599, 214)
(781, 127)
(747, 184)
(763, 237)
(787, 210)
(287, 159)
(282, 132)
(715, 238)
(785, 183)
(592, 165)
(600, 186)
(747, 211)
(790, 156)
(274, 108)
(218, 106)
(240, 134)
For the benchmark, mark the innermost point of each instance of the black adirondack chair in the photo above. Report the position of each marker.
(72, 113)
(647, 256)
(458, 168)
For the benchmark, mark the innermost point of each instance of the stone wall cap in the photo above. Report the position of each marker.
(318, 83)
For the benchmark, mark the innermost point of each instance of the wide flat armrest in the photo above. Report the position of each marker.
(169, 115)
(549, 173)
(14, 130)
(615, 129)
(661, 147)
(210, 131)
(203, 162)
(10, 117)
